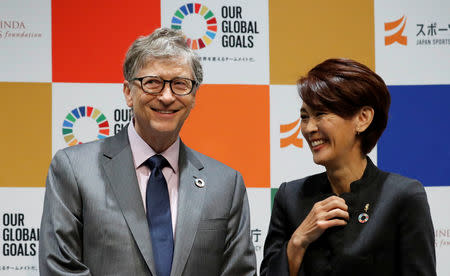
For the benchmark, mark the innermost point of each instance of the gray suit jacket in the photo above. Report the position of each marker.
(94, 221)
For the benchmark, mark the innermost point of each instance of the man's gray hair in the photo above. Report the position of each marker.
(163, 43)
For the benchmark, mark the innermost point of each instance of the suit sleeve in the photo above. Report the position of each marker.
(239, 254)
(275, 262)
(61, 233)
(417, 247)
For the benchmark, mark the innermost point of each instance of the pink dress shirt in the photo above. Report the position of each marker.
(141, 152)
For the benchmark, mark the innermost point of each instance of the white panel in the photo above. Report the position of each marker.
(21, 212)
(239, 51)
(107, 98)
(260, 209)
(291, 162)
(413, 63)
(25, 41)
(438, 198)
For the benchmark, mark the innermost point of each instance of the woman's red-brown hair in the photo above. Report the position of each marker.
(343, 87)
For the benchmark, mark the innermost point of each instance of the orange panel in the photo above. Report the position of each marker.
(305, 33)
(231, 124)
(90, 38)
(26, 142)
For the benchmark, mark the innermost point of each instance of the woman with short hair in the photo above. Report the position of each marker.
(353, 219)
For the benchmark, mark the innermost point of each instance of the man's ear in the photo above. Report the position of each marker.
(127, 93)
(195, 96)
(364, 118)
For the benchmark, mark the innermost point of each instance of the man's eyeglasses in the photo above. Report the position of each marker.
(154, 85)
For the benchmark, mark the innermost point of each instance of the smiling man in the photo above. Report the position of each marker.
(142, 202)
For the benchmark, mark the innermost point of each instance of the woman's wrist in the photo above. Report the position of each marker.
(298, 243)
(295, 251)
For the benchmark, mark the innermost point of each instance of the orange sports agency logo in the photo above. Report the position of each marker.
(398, 35)
(292, 139)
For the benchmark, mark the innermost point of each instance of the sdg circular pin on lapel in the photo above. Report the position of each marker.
(199, 182)
(364, 217)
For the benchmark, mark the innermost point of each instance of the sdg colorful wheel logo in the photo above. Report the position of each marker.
(84, 124)
(197, 22)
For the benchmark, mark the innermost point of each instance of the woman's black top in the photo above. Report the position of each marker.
(389, 232)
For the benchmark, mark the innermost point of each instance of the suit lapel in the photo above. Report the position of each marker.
(190, 204)
(119, 168)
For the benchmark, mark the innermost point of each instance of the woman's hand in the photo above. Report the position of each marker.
(327, 213)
